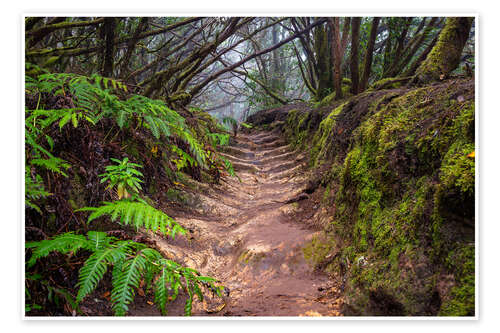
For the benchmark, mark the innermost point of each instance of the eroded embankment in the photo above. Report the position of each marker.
(246, 232)
(395, 174)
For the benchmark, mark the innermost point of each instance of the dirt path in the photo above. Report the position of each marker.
(243, 234)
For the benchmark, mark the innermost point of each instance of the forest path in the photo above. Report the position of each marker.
(245, 236)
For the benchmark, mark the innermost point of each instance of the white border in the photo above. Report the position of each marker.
(219, 318)
(490, 119)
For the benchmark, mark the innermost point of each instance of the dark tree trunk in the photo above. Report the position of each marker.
(109, 37)
(369, 54)
(337, 82)
(356, 22)
(323, 61)
(399, 64)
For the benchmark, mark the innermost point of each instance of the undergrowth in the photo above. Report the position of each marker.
(60, 104)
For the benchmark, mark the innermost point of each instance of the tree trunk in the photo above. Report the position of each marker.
(356, 22)
(276, 61)
(323, 62)
(445, 55)
(369, 54)
(109, 37)
(337, 81)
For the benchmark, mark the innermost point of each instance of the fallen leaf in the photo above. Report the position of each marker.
(140, 291)
(472, 155)
(150, 303)
(311, 313)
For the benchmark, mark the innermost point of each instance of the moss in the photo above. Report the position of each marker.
(297, 127)
(326, 194)
(460, 301)
(458, 170)
(319, 144)
(406, 163)
(318, 250)
(346, 81)
(445, 55)
(387, 83)
(330, 98)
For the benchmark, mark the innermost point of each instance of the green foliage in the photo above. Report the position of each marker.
(159, 120)
(86, 101)
(137, 214)
(228, 166)
(37, 155)
(97, 97)
(132, 262)
(34, 190)
(246, 125)
(230, 124)
(123, 176)
(218, 139)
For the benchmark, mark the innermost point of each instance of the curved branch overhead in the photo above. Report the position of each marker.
(165, 57)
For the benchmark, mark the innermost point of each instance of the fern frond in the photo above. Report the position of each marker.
(96, 266)
(124, 282)
(34, 190)
(139, 214)
(131, 263)
(67, 242)
(152, 126)
(53, 164)
(98, 240)
(161, 295)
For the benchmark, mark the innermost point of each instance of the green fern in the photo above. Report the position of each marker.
(53, 164)
(34, 190)
(95, 98)
(125, 280)
(138, 214)
(97, 264)
(218, 139)
(68, 242)
(132, 263)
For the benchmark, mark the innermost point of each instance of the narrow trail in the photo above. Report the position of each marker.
(243, 234)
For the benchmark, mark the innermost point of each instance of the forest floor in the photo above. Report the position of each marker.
(250, 233)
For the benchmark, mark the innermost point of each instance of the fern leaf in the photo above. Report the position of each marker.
(67, 242)
(96, 266)
(53, 164)
(124, 281)
(152, 126)
(140, 214)
(97, 240)
(161, 295)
